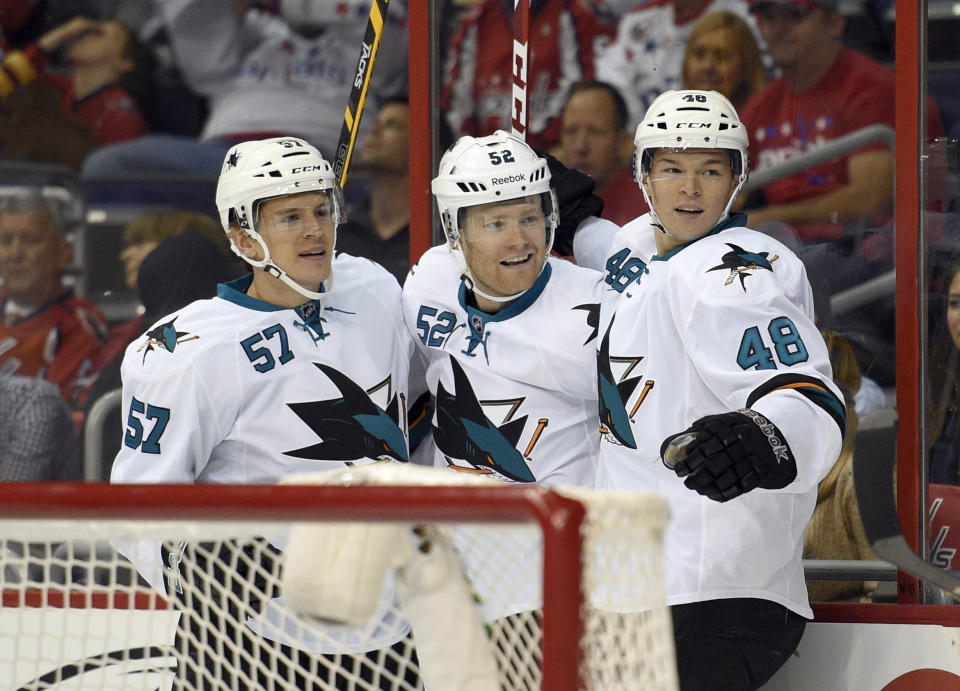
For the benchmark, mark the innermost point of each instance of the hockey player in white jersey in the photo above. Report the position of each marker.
(716, 391)
(300, 366)
(509, 334)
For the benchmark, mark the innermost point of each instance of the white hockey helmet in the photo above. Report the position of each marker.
(255, 171)
(485, 170)
(691, 120)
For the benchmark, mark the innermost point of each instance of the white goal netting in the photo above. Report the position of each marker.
(563, 588)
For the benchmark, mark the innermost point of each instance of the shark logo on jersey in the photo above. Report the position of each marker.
(613, 396)
(593, 318)
(739, 262)
(463, 431)
(352, 427)
(166, 337)
(154, 665)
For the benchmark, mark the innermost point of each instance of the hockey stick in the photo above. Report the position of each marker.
(521, 36)
(358, 92)
(873, 481)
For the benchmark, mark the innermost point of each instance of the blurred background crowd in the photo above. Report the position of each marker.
(115, 116)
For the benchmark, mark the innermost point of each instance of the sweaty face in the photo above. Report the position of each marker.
(299, 232)
(713, 64)
(589, 138)
(689, 191)
(953, 309)
(505, 244)
(33, 256)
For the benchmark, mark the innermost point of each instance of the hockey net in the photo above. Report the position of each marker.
(180, 587)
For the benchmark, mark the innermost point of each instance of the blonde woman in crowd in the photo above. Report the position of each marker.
(835, 531)
(722, 55)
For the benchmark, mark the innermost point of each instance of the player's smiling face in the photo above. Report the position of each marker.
(299, 232)
(689, 191)
(505, 244)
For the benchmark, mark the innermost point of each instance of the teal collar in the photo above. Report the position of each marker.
(733, 221)
(511, 310)
(235, 291)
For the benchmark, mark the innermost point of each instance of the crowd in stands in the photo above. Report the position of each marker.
(117, 89)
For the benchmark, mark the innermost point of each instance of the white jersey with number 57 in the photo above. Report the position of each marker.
(233, 390)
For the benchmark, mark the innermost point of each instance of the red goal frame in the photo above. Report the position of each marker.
(560, 520)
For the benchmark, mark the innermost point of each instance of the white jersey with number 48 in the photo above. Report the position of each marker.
(720, 324)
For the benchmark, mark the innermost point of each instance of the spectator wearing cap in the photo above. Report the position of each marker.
(594, 139)
(826, 90)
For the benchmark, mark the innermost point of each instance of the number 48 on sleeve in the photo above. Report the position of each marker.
(787, 344)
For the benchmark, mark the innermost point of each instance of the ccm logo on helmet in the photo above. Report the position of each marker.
(693, 125)
(506, 180)
(307, 169)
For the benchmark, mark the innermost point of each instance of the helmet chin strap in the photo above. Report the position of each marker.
(282, 275)
(654, 219)
(279, 273)
(658, 224)
(472, 283)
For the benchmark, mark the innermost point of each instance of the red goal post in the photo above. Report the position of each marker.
(61, 513)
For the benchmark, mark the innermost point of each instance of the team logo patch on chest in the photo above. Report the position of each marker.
(464, 431)
(165, 337)
(740, 262)
(615, 389)
(351, 426)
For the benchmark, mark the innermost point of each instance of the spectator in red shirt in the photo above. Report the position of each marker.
(45, 331)
(100, 57)
(477, 85)
(594, 139)
(826, 91)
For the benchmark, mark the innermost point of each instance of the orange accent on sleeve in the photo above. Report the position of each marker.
(802, 385)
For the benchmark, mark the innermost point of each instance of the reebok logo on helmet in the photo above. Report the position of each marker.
(507, 179)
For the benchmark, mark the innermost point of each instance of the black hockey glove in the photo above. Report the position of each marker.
(575, 198)
(724, 456)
